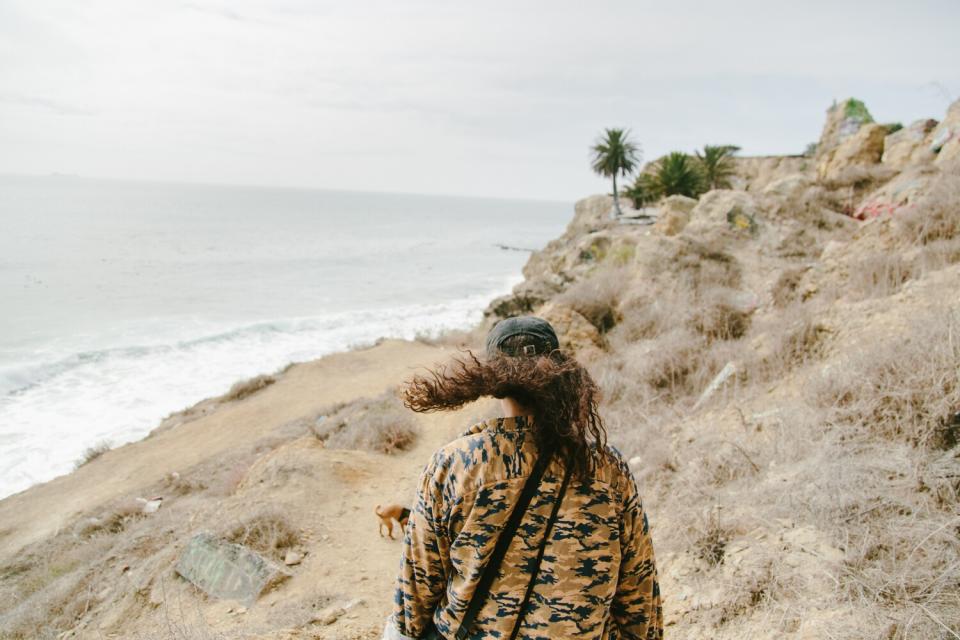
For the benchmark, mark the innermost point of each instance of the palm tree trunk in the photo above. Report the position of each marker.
(616, 198)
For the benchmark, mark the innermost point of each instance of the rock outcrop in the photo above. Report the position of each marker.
(863, 148)
(908, 145)
(674, 214)
(945, 138)
(844, 120)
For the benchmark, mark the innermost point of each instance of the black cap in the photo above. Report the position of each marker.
(540, 338)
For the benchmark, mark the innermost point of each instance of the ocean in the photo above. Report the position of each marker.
(121, 302)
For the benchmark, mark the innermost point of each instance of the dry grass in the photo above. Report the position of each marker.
(597, 297)
(907, 389)
(92, 453)
(693, 265)
(380, 424)
(878, 275)
(246, 388)
(112, 520)
(672, 370)
(648, 314)
(269, 533)
(719, 317)
(785, 289)
(936, 217)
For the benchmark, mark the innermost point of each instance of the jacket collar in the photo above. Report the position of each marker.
(515, 423)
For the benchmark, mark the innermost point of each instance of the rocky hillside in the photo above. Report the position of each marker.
(780, 363)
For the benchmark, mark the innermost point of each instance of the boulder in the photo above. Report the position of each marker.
(863, 148)
(576, 333)
(844, 120)
(526, 296)
(789, 187)
(674, 214)
(904, 190)
(591, 214)
(226, 570)
(901, 148)
(945, 138)
(724, 209)
(754, 173)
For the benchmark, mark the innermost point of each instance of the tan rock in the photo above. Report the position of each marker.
(863, 148)
(724, 209)
(905, 189)
(674, 214)
(945, 139)
(789, 187)
(844, 120)
(754, 173)
(575, 332)
(900, 148)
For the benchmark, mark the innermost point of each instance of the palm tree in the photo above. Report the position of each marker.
(676, 174)
(615, 153)
(643, 191)
(716, 165)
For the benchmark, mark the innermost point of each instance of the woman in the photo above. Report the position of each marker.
(580, 564)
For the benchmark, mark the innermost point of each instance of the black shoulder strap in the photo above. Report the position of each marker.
(521, 612)
(503, 541)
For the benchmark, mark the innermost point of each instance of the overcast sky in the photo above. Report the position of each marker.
(481, 98)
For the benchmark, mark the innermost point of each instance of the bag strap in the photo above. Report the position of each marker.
(543, 547)
(500, 550)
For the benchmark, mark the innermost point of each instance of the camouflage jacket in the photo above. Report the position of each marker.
(597, 580)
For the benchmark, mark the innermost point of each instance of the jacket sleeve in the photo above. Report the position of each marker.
(422, 580)
(636, 606)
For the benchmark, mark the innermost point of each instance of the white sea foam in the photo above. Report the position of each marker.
(118, 395)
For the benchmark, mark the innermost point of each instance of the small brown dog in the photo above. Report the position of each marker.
(390, 513)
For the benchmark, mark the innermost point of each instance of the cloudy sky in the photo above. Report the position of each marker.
(483, 98)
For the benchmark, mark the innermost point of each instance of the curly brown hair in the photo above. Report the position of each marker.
(555, 387)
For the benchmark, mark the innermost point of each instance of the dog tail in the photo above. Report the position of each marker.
(376, 510)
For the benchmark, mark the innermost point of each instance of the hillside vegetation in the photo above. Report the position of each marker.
(780, 362)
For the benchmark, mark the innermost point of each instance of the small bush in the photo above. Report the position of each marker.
(113, 520)
(92, 453)
(719, 319)
(785, 289)
(269, 533)
(878, 275)
(597, 296)
(246, 388)
(711, 542)
(380, 424)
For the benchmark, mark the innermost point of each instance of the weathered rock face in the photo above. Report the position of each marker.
(755, 173)
(900, 192)
(863, 148)
(575, 332)
(724, 209)
(789, 187)
(844, 120)
(590, 215)
(945, 139)
(526, 296)
(674, 214)
(907, 145)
